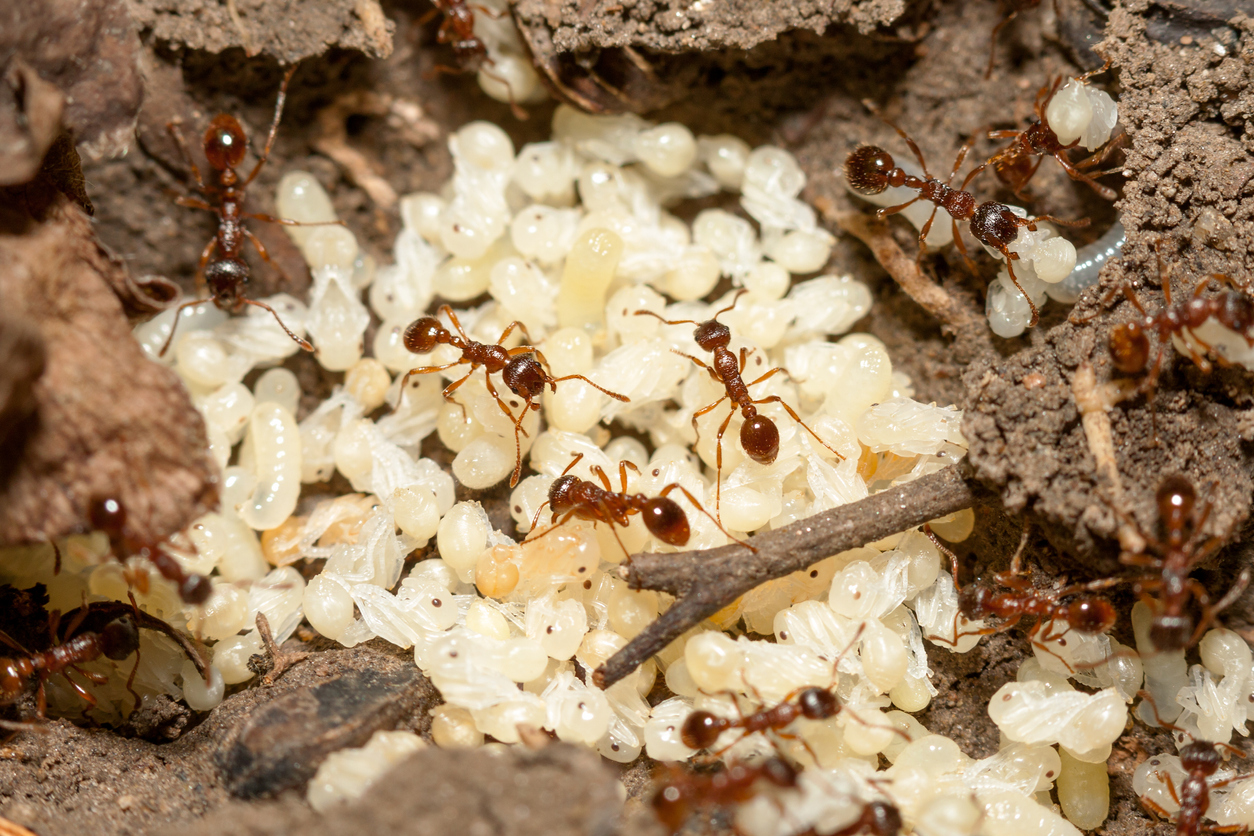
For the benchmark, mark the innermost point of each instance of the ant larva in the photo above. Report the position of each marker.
(458, 31)
(1013, 164)
(758, 434)
(1173, 627)
(227, 276)
(572, 497)
(520, 371)
(684, 792)
(107, 514)
(869, 170)
(1129, 342)
(1200, 759)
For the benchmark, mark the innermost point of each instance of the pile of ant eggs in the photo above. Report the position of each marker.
(571, 237)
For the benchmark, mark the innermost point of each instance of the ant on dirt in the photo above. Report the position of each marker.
(1013, 164)
(458, 30)
(570, 496)
(1129, 342)
(227, 276)
(870, 170)
(758, 434)
(1200, 759)
(684, 791)
(520, 371)
(1173, 627)
(107, 514)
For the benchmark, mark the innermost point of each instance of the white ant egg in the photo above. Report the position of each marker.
(667, 149)
(724, 155)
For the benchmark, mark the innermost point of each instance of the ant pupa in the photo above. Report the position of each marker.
(520, 371)
(222, 266)
(572, 497)
(869, 170)
(758, 434)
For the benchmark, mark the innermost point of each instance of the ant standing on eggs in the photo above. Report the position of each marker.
(108, 514)
(758, 434)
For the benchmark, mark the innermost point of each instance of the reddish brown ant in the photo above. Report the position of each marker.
(1173, 627)
(870, 170)
(224, 145)
(109, 515)
(1130, 345)
(458, 30)
(685, 792)
(521, 372)
(1013, 164)
(572, 497)
(758, 434)
(878, 818)
(1200, 759)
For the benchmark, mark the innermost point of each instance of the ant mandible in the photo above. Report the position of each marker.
(685, 791)
(107, 514)
(572, 497)
(1129, 342)
(758, 434)
(1172, 626)
(227, 275)
(521, 372)
(870, 170)
(1013, 164)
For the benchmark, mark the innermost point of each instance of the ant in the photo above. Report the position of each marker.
(1172, 627)
(870, 170)
(1086, 613)
(1200, 759)
(107, 514)
(522, 373)
(879, 818)
(1129, 342)
(685, 791)
(224, 145)
(1013, 164)
(458, 30)
(758, 434)
(570, 496)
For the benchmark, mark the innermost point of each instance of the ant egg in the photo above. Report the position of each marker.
(420, 214)
(955, 527)
(933, 754)
(586, 277)
(300, 197)
(198, 694)
(484, 462)
(223, 615)
(800, 251)
(667, 149)
(679, 680)
(486, 620)
(368, 382)
(452, 727)
(601, 189)
(773, 170)
(1224, 651)
(483, 145)
(509, 79)
(462, 536)
(693, 275)
(546, 172)
(544, 233)
(463, 278)
(725, 156)
(345, 775)
(231, 655)
(559, 626)
(884, 658)
(1083, 792)
(744, 509)
(328, 606)
(574, 407)
(569, 351)
(868, 737)
(767, 281)
(278, 385)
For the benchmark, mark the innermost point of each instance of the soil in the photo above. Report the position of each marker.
(790, 72)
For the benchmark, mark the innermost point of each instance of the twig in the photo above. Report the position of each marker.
(705, 581)
(1094, 402)
(332, 140)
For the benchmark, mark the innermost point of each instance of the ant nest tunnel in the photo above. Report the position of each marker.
(539, 416)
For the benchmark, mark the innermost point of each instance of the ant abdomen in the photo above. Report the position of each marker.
(422, 335)
(760, 438)
(866, 169)
(666, 521)
(119, 639)
(1237, 314)
(818, 704)
(701, 729)
(1090, 615)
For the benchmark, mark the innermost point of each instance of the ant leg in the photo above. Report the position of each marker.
(962, 155)
(83, 694)
(992, 43)
(601, 389)
(962, 248)
(700, 363)
(1010, 270)
(703, 411)
(303, 343)
(175, 128)
(177, 313)
(429, 370)
(1104, 192)
(265, 255)
(1080, 224)
(514, 108)
(455, 385)
(892, 210)
(271, 219)
(777, 399)
(772, 372)
(517, 422)
(509, 329)
(718, 459)
(274, 126)
(923, 233)
(676, 486)
(1003, 134)
(518, 428)
(193, 203)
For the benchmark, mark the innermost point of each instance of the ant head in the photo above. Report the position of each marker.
(195, 589)
(818, 703)
(225, 142)
(994, 224)
(119, 638)
(701, 729)
(422, 335)
(712, 334)
(760, 438)
(883, 819)
(974, 601)
(779, 772)
(108, 515)
(666, 520)
(1176, 499)
(561, 493)
(226, 278)
(525, 376)
(1129, 348)
(1090, 614)
(866, 169)
(1200, 756)
(1170, 632)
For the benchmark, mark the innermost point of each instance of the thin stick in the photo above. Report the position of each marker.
(705, 581)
